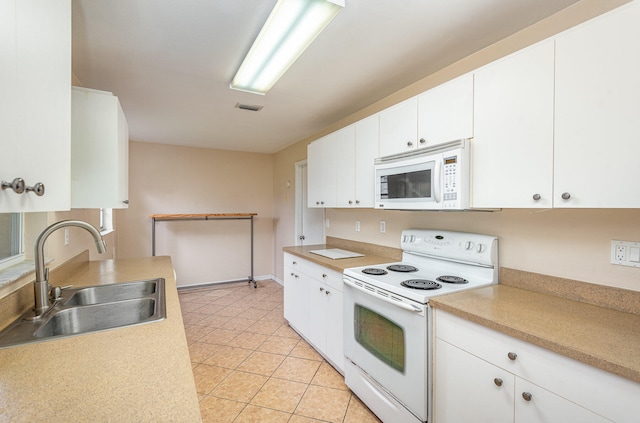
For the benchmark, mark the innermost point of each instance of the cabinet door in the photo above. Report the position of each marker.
(35, 116)
(597, 103)
(536, 405)
(367, 135)
(512, 149)
(295, 299)
(322, 172)
(344, 156)
(334, 327)
(399, 127)
(315, 302)
(468, 389)
(445, 113)
(99, 151)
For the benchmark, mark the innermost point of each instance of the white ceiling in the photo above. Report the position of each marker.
(170, 62)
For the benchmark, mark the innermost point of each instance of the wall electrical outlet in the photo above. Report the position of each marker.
(625, 253)
(357, 226)
(66, 236)
(383, 227)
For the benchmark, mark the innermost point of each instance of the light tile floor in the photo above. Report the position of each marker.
(250, 366)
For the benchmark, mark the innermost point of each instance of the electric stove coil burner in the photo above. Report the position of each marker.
(421, 284)
(405, 268)
(452, 279)
(374, 271)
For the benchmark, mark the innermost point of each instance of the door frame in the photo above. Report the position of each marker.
(300, 199)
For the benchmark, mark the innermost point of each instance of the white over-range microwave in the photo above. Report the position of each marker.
(433, 178)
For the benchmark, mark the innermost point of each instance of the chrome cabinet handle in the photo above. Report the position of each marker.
(324, 275)
(17, 185)
(38, 189)
(422, 141)
(497, 381)
(357, 201)
(321, 289)
(327, 292)
(536, 197)
(350, 202)
(566, 196)
(125, 201)
(409, 144)
(527, 396)
(512, 356)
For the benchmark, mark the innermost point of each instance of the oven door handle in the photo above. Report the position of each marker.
(408, 307)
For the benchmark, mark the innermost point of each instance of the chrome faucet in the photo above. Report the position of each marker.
(41, 285)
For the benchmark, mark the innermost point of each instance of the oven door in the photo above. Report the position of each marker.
(413, 183)
(387, 339)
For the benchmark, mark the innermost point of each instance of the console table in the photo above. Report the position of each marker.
(203, 216)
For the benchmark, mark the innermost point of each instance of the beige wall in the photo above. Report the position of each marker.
(565, 243)
(170, 179)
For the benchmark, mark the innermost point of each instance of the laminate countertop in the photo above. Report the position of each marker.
(132, 374)
(369, 258)
(603, 337)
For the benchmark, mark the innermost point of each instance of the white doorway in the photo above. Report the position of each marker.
(309, 220)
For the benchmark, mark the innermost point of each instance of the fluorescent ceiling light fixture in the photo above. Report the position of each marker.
(289, 30)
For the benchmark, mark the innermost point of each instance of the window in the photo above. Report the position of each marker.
(11, 239)
(106, 220)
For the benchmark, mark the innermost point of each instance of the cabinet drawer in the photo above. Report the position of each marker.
(314, 271)
(602, 392)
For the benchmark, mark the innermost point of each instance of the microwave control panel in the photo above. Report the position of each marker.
(451, 181)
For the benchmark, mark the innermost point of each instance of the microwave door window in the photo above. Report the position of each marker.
(410, 184)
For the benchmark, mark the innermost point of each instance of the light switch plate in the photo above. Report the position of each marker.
(625, 253)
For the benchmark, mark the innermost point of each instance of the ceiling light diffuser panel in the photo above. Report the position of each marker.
(290, 29)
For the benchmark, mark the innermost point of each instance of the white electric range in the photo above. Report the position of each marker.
(387, 316)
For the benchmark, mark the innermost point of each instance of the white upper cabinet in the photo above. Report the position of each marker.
(321, 172)
(597, 128)
(99, 151)
(340, 166)
(512, 149)
(355, 155)
(399, 128)
(35, 108)
(445, 113)
(343, 154)
(367, 142)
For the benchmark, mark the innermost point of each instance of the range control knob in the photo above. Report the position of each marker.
(480, 248)
(468, 245)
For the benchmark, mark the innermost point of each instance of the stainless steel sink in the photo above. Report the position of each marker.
(110, 293)
(84, 310)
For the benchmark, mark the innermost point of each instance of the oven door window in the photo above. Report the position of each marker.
(380, 336)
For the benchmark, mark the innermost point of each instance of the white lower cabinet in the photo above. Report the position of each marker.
(313, 306)
(482, 375)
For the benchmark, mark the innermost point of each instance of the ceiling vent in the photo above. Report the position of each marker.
(251, 107)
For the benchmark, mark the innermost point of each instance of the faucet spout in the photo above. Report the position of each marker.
(41, 285)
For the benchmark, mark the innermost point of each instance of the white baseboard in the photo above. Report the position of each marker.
(205, 284)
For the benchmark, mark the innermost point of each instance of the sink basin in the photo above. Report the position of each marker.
(110, 293)
(91, 309)
(93, 318)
